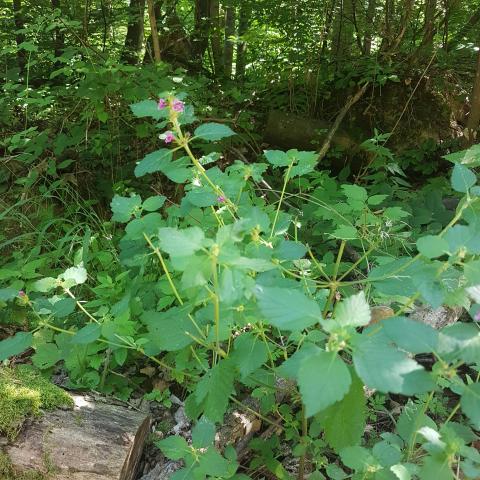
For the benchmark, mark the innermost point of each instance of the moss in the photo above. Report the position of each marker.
(7, 472)
(24, 393)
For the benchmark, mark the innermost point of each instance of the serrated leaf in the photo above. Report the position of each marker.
(323, 380)
(14, 345)
(470, 403)
(462, 178)
(75, 275)
(411, 420)
(353, 311)
(213, 132)
(154, 203)
(344, 421)
(182, 243)
(203, 433)
(124, 208)
(287, 309)
(436, 468)
(345, 232)
(174, 447)
(387, 369)
(46, 355)
(88, 334)
(214, 465)
(277, 158)
(432, 246)
(214, 389)
(148, 108)
(290, 367)
(249, 353)
(44, 285)
(157, 161)
(410, 335)
(357, 458)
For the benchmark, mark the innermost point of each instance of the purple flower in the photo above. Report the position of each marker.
(221, 199)
(169, 137)
(22, 294)
(178, 106)
(477, 316)
(162, 103)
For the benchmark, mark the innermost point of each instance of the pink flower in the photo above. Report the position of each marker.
(169, 137)
(162, 103)
(221, 199)
(178, 106)
(477, 316)
(22, 294)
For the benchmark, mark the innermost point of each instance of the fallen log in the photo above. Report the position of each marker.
(94, 441)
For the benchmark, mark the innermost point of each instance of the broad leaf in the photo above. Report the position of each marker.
(88, 334)
(213, 132)
(157, 161)
(154, 203)
(75, 275)
(182, 243)
(124, 208)
(14, 345)
(462, 178)
(287, 309)
(432, 246)
(277, 158)
(148, 108)
(353, 311)
(203, 433)
(470, 403)
(344, 421)
(249, 354)
(387, 369)
(323, 380)
(174, 447)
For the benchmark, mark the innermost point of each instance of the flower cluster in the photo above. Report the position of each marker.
(176, 105)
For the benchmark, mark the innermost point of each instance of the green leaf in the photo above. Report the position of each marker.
(174, 447)
(7, 294)
(148, 108)
(169, 331)
(157, 161)
(75, 275)
(357, 458)
(306, 162)
(353, 311)
(46, 355)
(214, 389)
(386, 369)
(323, 380)
(462, 178)
(355, 192)
(14, 345)
(214, 465)
(88, 334)
(286, 308)
(44, 285)
(249, 354)
(182, 243)
(277, 158)
(470, 157)
(154, 203)
(124, 208)
(436, 468)
(411, 420)
(203, 433)
(213, 132)
(432, 246)
(344, 421)
(411, 336)
(470, 403)
(376, 199)
(290, 367)
(401, 472)
(345, 232)
(63, 307)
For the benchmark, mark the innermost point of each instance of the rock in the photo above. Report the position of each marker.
(163, 471)
(437, 317)
(94, 441)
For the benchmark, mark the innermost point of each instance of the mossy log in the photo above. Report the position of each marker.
(94, 441)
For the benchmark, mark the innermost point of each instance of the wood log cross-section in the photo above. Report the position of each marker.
(94, 441)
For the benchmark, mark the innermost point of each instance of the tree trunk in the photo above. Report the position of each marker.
(228, 47)
(215, 38)
(154, 30)
(135, 31)
(19, 37)
(367, 42)
(243, 21)
(59, 41)
(429, 26)
(471, 130)
(200, 34)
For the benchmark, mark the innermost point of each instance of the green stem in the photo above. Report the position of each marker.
(282, 194)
